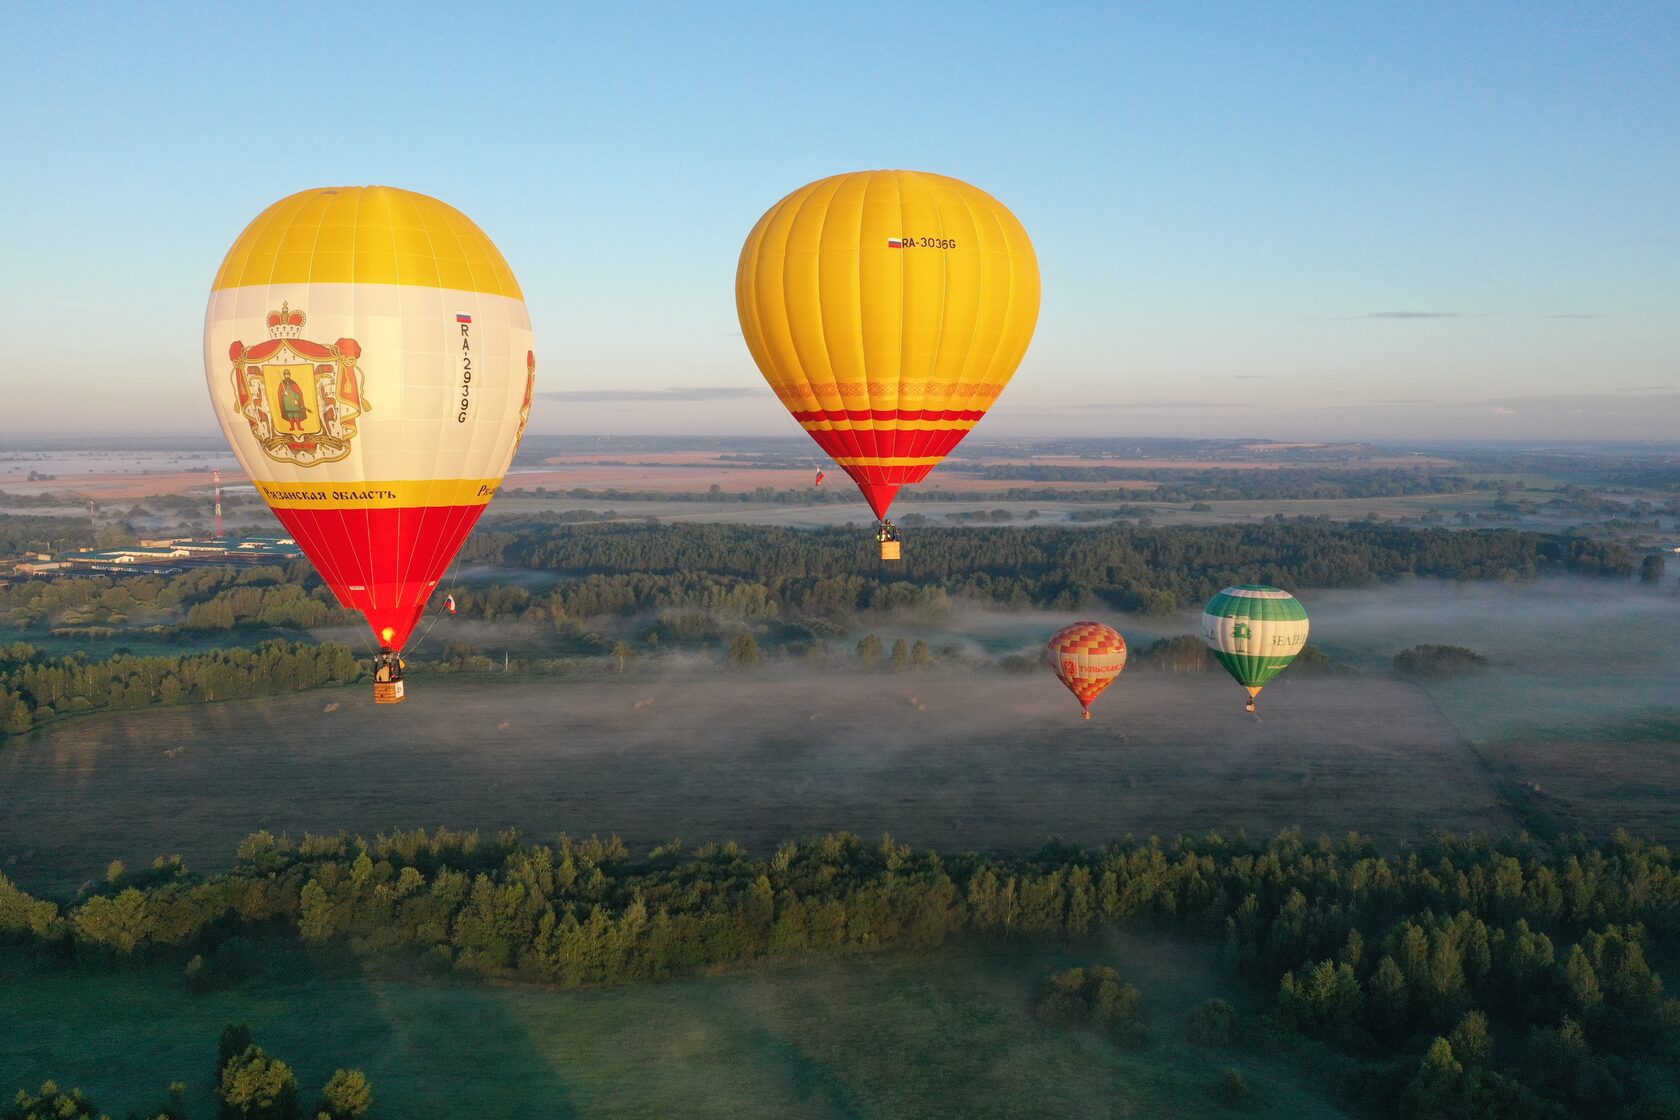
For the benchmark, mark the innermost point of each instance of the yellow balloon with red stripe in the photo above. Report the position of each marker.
(887, 309)
(369, 356)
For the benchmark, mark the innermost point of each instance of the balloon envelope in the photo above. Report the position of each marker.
(369, 356)
(1254, 631)
(1087, 656)
(887, 309)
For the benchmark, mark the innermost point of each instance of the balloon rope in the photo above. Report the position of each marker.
(439, 613)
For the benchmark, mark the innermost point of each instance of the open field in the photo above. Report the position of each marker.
(121, 480)
(1577, 701)
(944, 1034)
(954, 760)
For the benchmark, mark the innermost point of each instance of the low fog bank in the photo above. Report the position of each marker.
(1573, 658)
(981, 760)
(962, 756)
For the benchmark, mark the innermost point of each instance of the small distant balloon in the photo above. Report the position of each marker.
(1255, 631)
(1087, 656)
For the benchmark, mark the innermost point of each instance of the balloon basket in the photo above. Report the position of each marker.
(1087, 715)
(387, 692)
(892, 550)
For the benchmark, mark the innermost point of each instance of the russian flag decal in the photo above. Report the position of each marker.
(895, 242)
(463, 318)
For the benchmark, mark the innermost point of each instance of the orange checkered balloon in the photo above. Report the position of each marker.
(1087, 656)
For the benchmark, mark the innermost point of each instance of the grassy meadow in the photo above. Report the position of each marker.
(947, 1034)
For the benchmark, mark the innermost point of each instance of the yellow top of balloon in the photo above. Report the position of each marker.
(888, 290)
(366, 235)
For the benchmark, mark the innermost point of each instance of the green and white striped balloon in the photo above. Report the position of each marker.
(1255, 631)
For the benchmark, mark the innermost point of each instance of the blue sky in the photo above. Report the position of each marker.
(1298, 221)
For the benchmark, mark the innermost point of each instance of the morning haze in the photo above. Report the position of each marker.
(1292, 223)
(572, 726)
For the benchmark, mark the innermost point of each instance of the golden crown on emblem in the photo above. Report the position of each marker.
(285, 323)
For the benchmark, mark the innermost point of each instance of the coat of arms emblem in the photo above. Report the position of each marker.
(525, 405)
(301, 398)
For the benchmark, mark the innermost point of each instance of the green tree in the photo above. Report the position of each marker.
(869, 651)
(920, 656)
(743, 652)
(1232, 1090)
(1581, 980)
(1652, 567)
(1213, 1023)
(21, 913)
(900, 656)
(1470, 1040)
(235, 1040)
(1436, 1092)
(347, 1095)
(49, 1104)
(255, 1086)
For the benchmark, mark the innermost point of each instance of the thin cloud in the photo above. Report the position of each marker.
(1574, 315)
(1087, 406)
(1249, 377)
(1411, 315)
(701, 393)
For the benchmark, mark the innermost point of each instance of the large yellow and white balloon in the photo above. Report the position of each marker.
(369, 356)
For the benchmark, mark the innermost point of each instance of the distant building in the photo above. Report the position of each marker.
(167, 556)
(139, 560)
(232, 550)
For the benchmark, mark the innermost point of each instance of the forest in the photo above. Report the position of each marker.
(1461, 977)
(1124, 568)
(35, 688)
(625, 591)
(251, 1084)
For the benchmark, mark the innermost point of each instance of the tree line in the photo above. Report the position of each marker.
(36, 687)
(755, 572)
(197, 599)
(250, 1084)
(1125, 568)
(1462, 977)
(29, 533)
(1178, 484)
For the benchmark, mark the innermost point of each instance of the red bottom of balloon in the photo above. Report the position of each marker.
(383, 562)
(881, 479)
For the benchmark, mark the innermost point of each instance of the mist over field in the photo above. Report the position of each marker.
(961, 756)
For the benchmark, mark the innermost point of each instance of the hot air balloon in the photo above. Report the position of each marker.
(1087, 656)
(887, 310)
(449, 605)
(369, 357)
(1255, 631)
